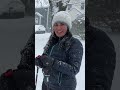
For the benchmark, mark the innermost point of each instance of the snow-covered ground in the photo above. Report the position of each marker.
(40, 41)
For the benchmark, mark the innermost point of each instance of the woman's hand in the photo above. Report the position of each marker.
(38, 61)
(44, 61)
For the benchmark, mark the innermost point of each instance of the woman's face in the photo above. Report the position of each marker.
(60, 29)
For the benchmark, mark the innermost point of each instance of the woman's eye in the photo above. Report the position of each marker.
(62, 24)
(55, 25)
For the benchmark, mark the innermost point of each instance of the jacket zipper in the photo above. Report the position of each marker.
(51, 50)
(59, 76)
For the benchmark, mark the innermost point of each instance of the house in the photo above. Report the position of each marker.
(76, 8)
(38, 17)
(42, 7)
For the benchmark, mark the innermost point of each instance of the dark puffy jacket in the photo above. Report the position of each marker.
(67, 53)
(28, 54)
(100, 59)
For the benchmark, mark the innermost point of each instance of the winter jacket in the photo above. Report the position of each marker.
(67, 52)
(100, 59)
(28, 54)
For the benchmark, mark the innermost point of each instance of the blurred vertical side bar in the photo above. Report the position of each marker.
(104, 16)
(16, 26)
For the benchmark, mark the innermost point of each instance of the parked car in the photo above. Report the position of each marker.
(39, 29)
(12, 9)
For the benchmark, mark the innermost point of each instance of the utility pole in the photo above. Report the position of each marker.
(47, 19)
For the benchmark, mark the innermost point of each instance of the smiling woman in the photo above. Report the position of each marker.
(60, 29)
(61, 23)
(62, 56)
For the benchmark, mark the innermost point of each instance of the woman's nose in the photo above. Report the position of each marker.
(58, 27)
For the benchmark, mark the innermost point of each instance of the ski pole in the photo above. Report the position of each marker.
(37, 74)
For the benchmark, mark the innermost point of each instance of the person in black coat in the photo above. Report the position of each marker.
(28, 54)
(21, 78)
(100, 59)
(61, 59)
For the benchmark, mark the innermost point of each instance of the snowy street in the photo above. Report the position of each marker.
(40, 41)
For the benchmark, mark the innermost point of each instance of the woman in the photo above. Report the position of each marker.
(62, 55)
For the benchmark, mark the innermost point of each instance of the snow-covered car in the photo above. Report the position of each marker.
(39, 29)
(12, 8)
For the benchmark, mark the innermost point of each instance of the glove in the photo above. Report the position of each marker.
(38, 61)
(47, 61)
(8, 73)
